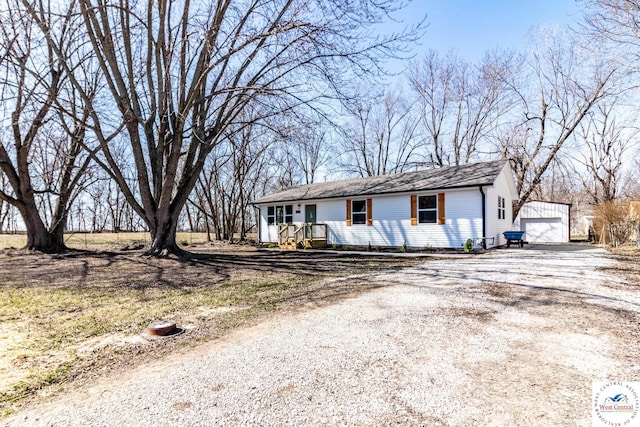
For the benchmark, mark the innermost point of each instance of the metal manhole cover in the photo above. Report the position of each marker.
(161, 328)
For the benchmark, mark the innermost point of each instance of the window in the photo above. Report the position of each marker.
(271, 215)
(279, 214)
(427, 209)
(288, 214)
(359, 212)
(501, 207)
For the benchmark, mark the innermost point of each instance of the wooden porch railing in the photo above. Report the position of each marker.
(306, 235)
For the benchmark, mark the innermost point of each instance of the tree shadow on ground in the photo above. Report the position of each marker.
(133, 270)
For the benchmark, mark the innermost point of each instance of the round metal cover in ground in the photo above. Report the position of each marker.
(161, 328)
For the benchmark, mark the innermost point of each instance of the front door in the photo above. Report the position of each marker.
(310, 213)
(309, 218)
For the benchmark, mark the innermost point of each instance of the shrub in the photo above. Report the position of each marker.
(614, 222)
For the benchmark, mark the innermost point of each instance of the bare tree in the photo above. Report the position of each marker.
(313, 153)
(434, 82)
(606, 143)
(116, 206)
(633, 180)
(305, 140)
(40, 152)
(181, 73)
(228, 183)
(556, 90)
(381, 137)
(616, 23)
(558, 183)
(459, 104)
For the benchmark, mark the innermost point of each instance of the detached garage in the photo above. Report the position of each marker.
(544, 222)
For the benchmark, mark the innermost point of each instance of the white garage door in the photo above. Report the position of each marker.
(543, 230)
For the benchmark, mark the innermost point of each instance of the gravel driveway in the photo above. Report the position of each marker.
(512, 337)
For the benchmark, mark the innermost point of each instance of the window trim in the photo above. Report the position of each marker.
(502, 205)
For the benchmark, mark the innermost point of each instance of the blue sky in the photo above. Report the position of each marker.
(472, 27)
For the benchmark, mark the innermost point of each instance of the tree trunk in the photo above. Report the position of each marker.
(163, 230)
(208, 228)
(39, 238)
(3, 215)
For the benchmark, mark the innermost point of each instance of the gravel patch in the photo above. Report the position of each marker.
(513, 337)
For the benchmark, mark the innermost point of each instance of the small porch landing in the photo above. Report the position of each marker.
(304, 236)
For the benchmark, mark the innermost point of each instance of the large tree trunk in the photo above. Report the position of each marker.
(163, 228)
(39, 238)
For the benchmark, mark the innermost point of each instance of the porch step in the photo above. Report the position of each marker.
(289, 245)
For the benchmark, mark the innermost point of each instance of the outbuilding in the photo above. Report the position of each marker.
(439, 208)
(544, 222)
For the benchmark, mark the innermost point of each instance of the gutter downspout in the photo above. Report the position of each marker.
(484, 218)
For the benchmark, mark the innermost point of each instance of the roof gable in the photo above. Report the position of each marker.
(469, 175)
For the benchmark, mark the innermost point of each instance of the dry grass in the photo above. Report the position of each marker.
(69, 318)
(104, 241)
(629, 264)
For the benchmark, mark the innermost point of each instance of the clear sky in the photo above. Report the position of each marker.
(472, 27)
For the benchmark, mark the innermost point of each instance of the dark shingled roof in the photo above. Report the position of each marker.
(470, 175)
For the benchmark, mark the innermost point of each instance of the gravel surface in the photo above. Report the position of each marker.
(512, 337)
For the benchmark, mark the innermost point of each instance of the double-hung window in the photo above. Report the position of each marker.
(279, 214)
(501, 207)
(427, 209)
(288, 214)
(359, 212)
(271, 215)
